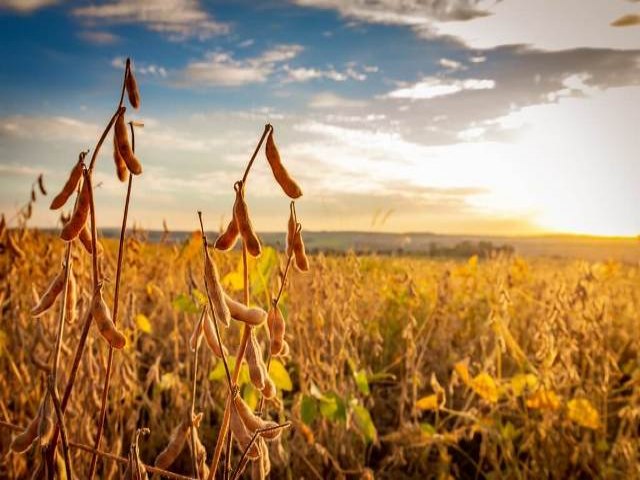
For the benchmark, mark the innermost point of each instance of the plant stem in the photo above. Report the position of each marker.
(63, 431)
(194, 454)
(107, 380)
(267, 128)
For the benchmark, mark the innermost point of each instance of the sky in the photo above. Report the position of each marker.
(510, 117)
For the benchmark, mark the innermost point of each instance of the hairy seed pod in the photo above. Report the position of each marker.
(46, 300)
(288, 184)
(79, 216)
(227, 239)
(13, 247)
(85, 238)
(196, 336)
(69, 186)
(285, 349)
(72, 298)
(214, 290)
(276, 324)
(43, 190)
(253, 354)
(121, 167)
(257, 469)
(3, 225)
(45, 426)
(123, 145)
(132, 88)
(264, 456)
(250, 315)
(175, 446)
(241, 434)
(29, 211)
(241, 213)
(105, 325)
(269, 390)
(302, 262)
(24, 440)
(253, 422)
(33, 195)
(291, 231)
(211, 337)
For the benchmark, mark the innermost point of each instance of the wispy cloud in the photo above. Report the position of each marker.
(327, 100)
(26, 6)
(303, 74)
(432, 87)
(223, 70)
(149, 69)
(98, 37)
(179, 19)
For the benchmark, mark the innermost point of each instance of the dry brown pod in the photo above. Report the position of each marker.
(176, 444)
(196, 335)
(253, 354)
(123, 145)
(227, 239)
(29, 211)
(45, 426)
(102, 317)
(288, 184)
(121, 167)
(241, 434)
(253, 422)
(250, 315)
(3, 224)
(132, 87)
(302, 262)
(79, 217)
(49, 296)
(291, 229)
(241, 214)
(85, 238)
(69, 186)
(276, 324)
(214, 290)
(211, 337)
(22, 441)
(269, 390)
(43, 190)
(13, 247)
(33, 195)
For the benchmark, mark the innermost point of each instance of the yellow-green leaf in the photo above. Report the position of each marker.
(582, 412)
(143, 323)
(522, 382)
(233, 281)
(430, 402)
(485, 386)
(280, 376)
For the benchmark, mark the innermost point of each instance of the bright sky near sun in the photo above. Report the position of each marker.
(449, 116)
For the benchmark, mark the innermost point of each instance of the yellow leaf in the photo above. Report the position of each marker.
(143, 323)
(279, 375)
(430, 402)
(463, 371)
(583, 413)
(233, 281)
(522, 382)
(543, 399)
(473, 262)
(485, 386)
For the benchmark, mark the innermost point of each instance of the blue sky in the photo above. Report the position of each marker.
(458, 116)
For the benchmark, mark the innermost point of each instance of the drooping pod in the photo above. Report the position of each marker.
(253, 354)
(121, 167)
(105, 324)
(254, 422)
(29, 211)
(250, 315)
(214, 290)
(80, 214)
(69, 186)
(132, 87)
(196, 335)
(241, 434)
(211, 337)
(25, 439)
(241, 213)
(33, 195)
(291, 230)
(302, 262)
(227, 239)
(45, 426)
(175, 446)
(288, 184)
(123, 145)
(49, 297)
(276, 324)
(85, 238)
(269, 390)
(43, 190)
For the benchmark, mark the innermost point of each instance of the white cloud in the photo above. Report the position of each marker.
(331, 100)
(179, 19)
(98, 37)
(222, 69)
(303, 74)
(478, 59)
(432, 87)
(451, 65)
(26, 6)
(484, 24)
(48, 128)
(141, 68)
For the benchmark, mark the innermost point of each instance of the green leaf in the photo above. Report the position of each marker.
(361, 381)
(333, 407)
(280, 376)
(218, 373)
(183, 303)
(250, 395)
(200, 297)
(308, 409)
(427, 428)
(143, 323)
(365, 424)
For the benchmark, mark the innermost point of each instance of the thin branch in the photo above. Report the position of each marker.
(243, 459)
(63, 430)
(267, 128)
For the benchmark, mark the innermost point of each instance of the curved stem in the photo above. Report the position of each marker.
(267, 128)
